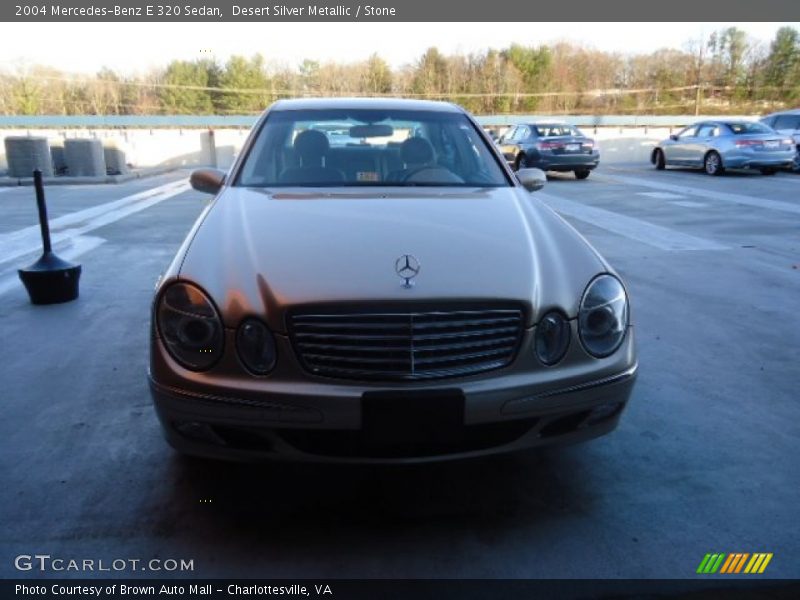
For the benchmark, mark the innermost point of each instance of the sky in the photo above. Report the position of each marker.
(132, 48)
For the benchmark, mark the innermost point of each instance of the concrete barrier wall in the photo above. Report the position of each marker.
(152, 147)
(193, 147)
(628, 145)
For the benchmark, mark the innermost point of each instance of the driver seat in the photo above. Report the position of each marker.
(416, 154)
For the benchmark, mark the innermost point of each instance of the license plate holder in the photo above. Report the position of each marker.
(572, 148)
(414, 416)
(771, 145)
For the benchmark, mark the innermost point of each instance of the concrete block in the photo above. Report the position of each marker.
(85, 157)
(26, 154)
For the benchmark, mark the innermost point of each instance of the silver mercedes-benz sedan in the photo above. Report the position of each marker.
(726, 144)
(396, 296)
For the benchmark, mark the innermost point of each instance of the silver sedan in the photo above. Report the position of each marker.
(726, 144)
(400, 299)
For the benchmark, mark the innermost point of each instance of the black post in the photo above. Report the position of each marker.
(50, 279)
(40, 204)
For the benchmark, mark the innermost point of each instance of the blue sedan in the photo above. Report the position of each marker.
(726, 144)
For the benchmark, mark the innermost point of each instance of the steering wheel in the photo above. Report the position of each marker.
(448, 174)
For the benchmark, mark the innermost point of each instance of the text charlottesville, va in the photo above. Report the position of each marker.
(312, 10)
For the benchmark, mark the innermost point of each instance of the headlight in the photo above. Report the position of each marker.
(256, 346)
(603, 316)
(552, 338)
(190, 326)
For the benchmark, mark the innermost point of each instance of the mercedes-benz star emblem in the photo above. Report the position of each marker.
(407, 268)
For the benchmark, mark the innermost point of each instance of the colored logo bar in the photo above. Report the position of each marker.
(738, 562)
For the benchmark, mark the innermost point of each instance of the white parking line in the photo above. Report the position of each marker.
(629, 227)
(661, 195)
(67, 249)
(705, 193)
(689, 203)
(27, 240)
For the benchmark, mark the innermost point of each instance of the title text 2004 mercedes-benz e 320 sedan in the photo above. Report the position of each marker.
(372, 283)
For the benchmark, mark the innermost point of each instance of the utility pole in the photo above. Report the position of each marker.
(697, 97)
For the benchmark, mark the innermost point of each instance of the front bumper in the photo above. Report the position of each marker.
(508, 410)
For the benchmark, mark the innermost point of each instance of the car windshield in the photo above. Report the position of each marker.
(358, 147)
(746, 127)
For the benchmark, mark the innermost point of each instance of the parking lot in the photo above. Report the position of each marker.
(705, 459)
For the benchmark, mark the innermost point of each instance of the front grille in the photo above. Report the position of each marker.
(406, 345)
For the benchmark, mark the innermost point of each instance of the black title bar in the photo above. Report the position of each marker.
(397, 10)
(410, 589)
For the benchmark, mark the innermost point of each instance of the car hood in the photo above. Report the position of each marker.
(260, 251)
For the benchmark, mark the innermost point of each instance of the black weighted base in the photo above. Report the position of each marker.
(51, 280)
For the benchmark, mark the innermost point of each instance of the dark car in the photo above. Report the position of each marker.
(787, 122)
(550, 146)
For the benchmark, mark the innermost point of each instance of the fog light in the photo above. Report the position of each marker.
(552, 338)
(201, 432)
(256, 346)
(604, 411)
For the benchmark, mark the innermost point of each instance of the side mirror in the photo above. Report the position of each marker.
(532, 179)
(208, 181)
(674, 137)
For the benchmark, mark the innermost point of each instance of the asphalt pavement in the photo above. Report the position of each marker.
(706, 458)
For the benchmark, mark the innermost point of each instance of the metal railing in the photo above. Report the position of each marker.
(247, 121)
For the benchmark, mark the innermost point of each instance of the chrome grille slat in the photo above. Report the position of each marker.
(465, 323)
(356, 359)
(504, 331)
(505, 342)
(356, 326)
(344, 336)
(461, 357)
(311, 346)
(395, 346)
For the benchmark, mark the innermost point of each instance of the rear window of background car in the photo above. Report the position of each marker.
(787, 122)
(556, 130)
(745, 128)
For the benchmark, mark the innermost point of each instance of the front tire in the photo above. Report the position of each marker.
(658, 159)
(712, 164)
(521, 162)
(582, 174)
(769, 171)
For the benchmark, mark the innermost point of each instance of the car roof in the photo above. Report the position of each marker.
(739, 121)
(793, 111)
(535, 123)
(365, 103)
(725, 122)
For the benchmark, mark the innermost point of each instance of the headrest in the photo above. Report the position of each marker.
(416, 151)
(311, 144)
